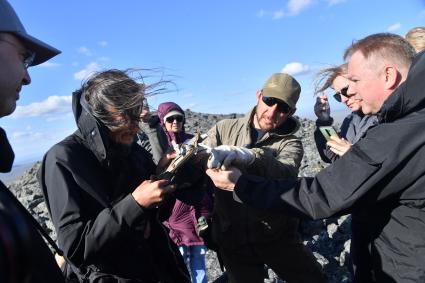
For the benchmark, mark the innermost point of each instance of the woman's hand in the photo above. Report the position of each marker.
(152, 193)
(338, 145)
(322, 108)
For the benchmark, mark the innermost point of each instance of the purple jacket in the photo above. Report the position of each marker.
(183, 220)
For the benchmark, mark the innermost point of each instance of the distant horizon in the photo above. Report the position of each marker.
(337, 115)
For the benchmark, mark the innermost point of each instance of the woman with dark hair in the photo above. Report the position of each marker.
(105, 210)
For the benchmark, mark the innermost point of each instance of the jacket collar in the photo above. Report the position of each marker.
(409, 96)
(90, 130)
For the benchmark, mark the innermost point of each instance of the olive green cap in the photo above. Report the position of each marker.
(284, 87)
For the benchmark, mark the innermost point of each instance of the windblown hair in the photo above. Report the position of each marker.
(385, 47)
(416, 37)
(115, 97)
(325, 77)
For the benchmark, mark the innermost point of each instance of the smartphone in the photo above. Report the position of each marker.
(328, 131)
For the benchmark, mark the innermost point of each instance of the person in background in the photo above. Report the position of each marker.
(381, 177)
(165, 132)
(106, 211)
(416, 37)
(354, 125)
(353, 128)
(265, 138)
(24, 256)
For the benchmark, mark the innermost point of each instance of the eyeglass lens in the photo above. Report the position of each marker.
(177, 118)
(28, 56)
(282, 107)
(343, 92)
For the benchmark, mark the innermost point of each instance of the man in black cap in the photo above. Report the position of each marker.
(24, 257)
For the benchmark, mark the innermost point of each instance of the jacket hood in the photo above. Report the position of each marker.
(91, 131)
(163, 110)
(290, 127)
(167, 107)
(409, 96)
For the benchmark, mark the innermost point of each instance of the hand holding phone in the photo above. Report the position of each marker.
(328, 131)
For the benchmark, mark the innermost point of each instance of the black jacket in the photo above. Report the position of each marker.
(87, 183)
(382, 177)
(24, 256)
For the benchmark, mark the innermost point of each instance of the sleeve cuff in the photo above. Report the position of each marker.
(130, 210)
(239, 188)
(325, 122)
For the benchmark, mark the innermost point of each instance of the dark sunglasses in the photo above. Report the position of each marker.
(28, 56)
(343, 92)
(282, 107)
(178, 118)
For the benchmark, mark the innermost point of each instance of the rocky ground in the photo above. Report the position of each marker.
(328, 239)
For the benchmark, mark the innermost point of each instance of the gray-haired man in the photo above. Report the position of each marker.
(380, 180)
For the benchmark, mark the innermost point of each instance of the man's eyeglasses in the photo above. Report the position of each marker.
(282, 107)
(177, 118)
(343, 92)
(28, 56)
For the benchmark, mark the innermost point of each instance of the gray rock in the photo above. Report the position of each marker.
(328, 239)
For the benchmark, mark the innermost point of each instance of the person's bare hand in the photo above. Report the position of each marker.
(338, 145)
(322, 108)
(165, 161)
(152, 193)
(224, 179)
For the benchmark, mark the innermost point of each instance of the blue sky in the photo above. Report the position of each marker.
(218, 53)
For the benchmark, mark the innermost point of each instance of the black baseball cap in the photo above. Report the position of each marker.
(10, 23)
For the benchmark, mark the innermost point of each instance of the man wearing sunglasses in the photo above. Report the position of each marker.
(264, 144)
(24, 256)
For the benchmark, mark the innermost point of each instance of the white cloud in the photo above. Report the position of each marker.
(295, 68)
(394, 27)
(52, 106)
(49, 65)
(278, 15)
(103, 43)
(335, 2)
(84, 50)
(296, 6)
(87, 71)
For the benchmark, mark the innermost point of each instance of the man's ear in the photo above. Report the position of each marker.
(392, 77)
(258, 95)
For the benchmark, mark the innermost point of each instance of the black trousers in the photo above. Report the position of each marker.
(292, 262)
